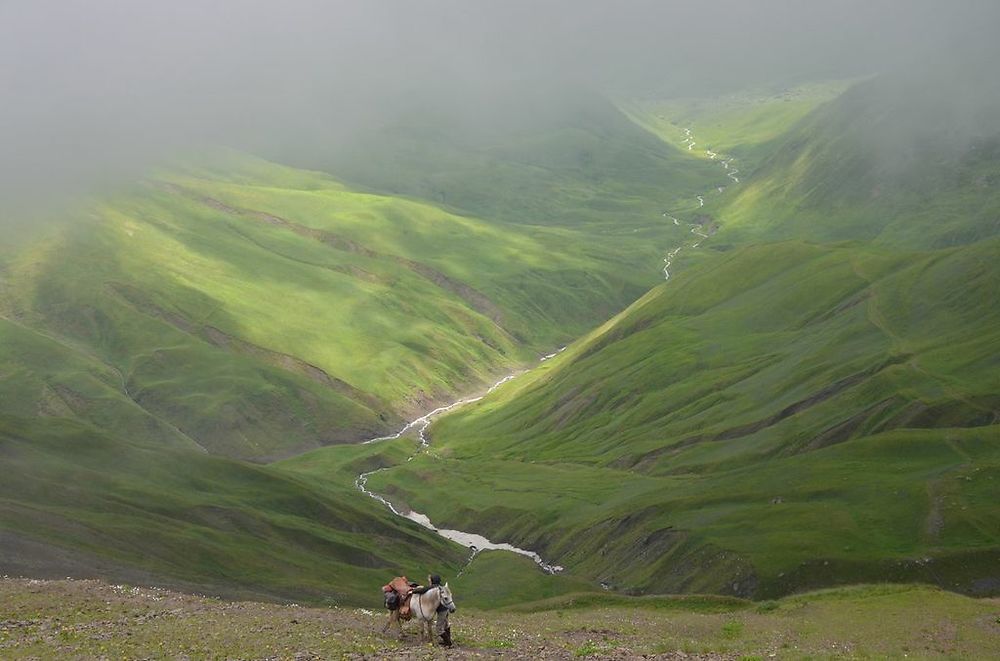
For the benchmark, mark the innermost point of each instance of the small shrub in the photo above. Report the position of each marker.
(588, 648)
(767, 606)
(732, 629)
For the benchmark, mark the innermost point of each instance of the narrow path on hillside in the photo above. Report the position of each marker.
(696, 228)
(473, 541)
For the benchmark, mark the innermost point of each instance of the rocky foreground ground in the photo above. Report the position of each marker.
(90, 619)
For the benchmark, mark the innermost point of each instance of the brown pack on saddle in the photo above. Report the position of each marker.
(397, 596)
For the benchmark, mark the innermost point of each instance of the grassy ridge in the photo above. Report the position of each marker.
(690, 443)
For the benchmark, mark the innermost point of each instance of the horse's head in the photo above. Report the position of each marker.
(447, 600)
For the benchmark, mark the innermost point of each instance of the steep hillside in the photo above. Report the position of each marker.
(76, 500)
(910, 160)
(228, 308)
(694, 442)
(777, 416)
(829, 354)
(262, 310)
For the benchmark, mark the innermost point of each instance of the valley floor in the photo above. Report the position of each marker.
(90, 619)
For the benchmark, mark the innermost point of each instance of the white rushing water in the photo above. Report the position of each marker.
(473, 541)
(689, 139)
(676, 222)
(423, 422)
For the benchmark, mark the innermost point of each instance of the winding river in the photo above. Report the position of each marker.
(473, 541)
(695, 227)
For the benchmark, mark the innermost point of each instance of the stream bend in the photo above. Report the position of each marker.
(473, 541)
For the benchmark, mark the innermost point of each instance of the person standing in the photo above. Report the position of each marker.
(441, 626)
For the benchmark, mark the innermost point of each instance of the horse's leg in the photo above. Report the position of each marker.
(441, 628)
(399, 626)
(388, 621)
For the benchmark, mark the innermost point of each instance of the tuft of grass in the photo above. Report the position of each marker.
(732, 629)
(589, 648)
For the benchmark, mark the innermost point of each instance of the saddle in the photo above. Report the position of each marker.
(397, 596)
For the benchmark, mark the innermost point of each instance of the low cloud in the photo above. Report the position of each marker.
(95, 91)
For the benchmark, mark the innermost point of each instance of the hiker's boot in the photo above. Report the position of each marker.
(446, 637)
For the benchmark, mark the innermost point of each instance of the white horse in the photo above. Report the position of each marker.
(423, 608)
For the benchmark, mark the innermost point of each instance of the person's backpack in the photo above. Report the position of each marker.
(399, 589)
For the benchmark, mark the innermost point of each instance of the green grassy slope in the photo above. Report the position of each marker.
(558, 156)
(228, 308)
(691, 443)
(677, 449)
(744, 126)
(777, 416)
(905, 161)
(263, 310)
(76, 500)
(96, 483)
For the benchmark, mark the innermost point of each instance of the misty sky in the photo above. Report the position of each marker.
(93, 90)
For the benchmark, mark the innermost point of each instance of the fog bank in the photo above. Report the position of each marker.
(94, 91)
